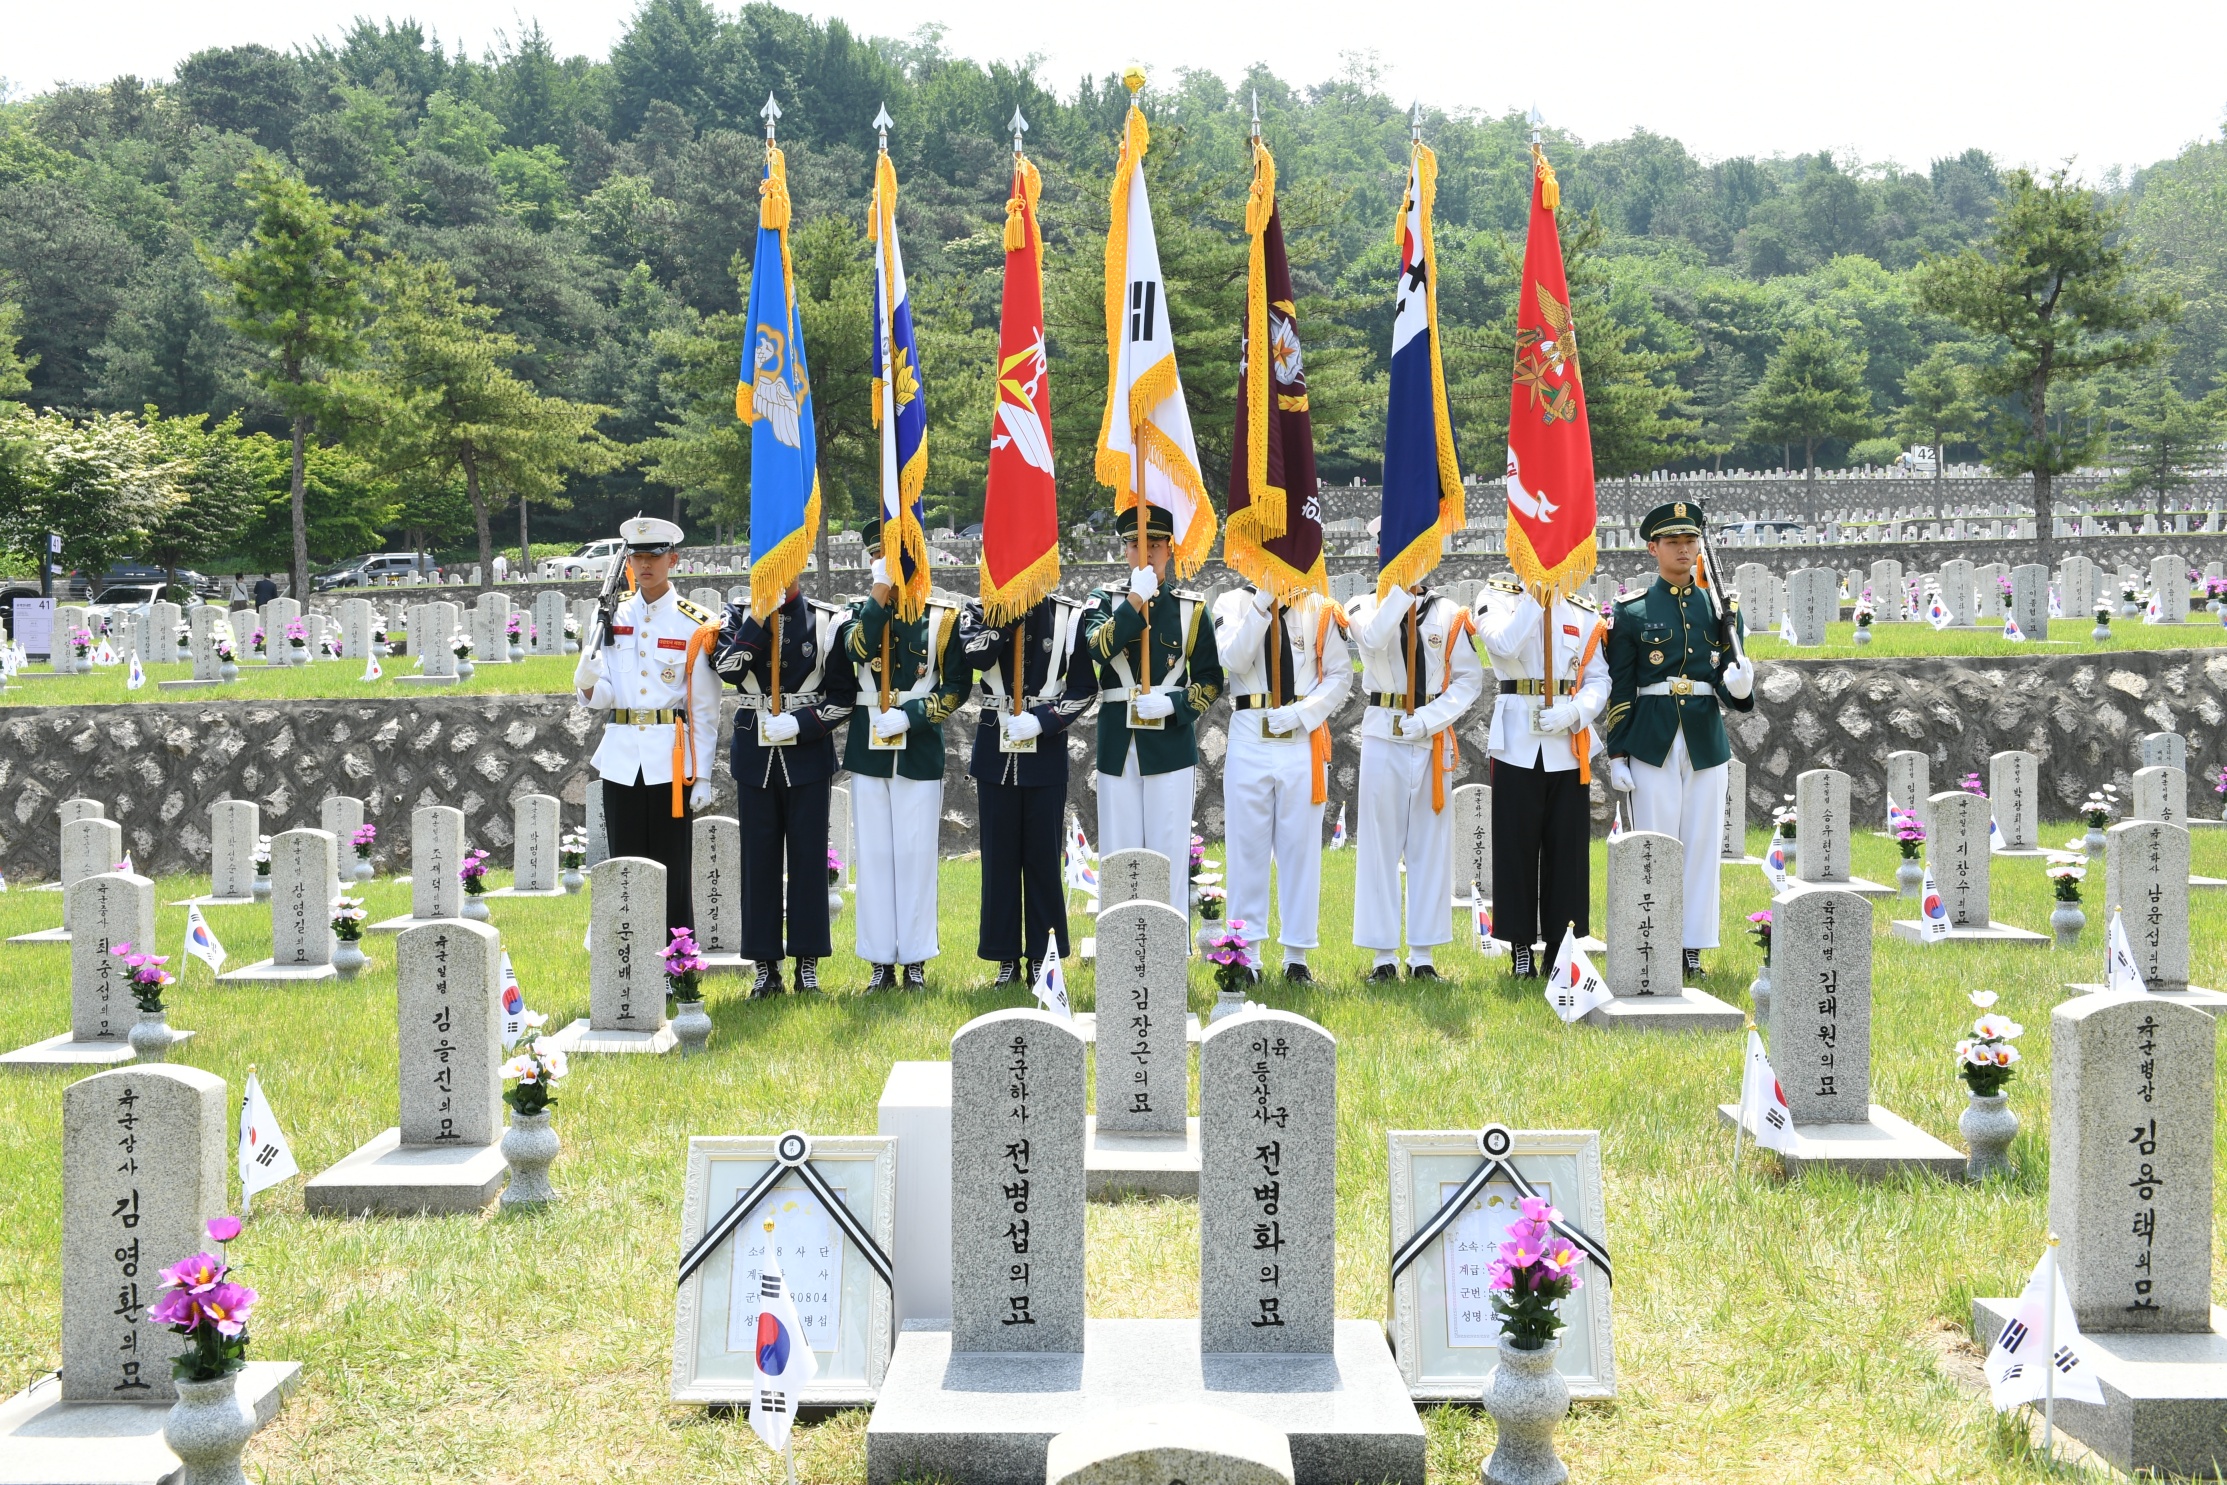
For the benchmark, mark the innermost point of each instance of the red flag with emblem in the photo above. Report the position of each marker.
(1020, 511)
(1550, 445)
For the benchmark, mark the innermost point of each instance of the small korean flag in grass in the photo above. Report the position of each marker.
(1763, 1110)
(1933, 913)
(1477, 905)
(1937, 612)
(135, 677)
(371, 670)
(201, 943)
(781, 1363)
(2039, 1353)
(2122, 974)
(1616, 820)
(1337, 831)
(1051, 984)
(265, 1158)
(516, 1018)
(1774, 863)
(1575, 987)
(2012, 632)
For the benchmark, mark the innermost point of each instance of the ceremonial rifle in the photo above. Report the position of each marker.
(1723, 607)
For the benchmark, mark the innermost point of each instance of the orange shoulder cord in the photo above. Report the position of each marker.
(1444, 760)
(684, 736)
(1581, 741)
(1318, 741)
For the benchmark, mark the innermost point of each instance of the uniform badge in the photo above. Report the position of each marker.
(1431, 640)
(668, 675)
(1047, 644)
(808, 649)
(1654, 657)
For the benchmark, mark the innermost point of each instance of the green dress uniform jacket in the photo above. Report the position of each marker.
(913, 649)
(1182, 633)
(1664, 634)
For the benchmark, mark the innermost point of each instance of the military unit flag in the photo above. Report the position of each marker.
(1145, 449)
(900, 401)
(1550, 444)
(1422, 472)
(1020, 506)
(774, 397)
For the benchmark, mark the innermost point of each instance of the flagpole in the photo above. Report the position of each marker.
(1740, 1114)
(1019, 126)
(771, 113)
(247, 1197)
(2049, 1355)
(888, 315)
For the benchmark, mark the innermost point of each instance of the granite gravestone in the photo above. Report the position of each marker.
(548, 632)
(1144, 1059)
(583, 615)
(1126, 876)
(355, 617)
(537, 831)
(1267, 1185)
(1888, 597)
(433, 635)
(599, 838)
(491, 629)
(2164, 750)
(1646, 908)
(68, 619)
(1812, 602)
(1472, 844)
(278, 615)
(90, 846)
(302, 867)
(1956, 851)
(1990, 604)
(144, 1158)
(2145, 877)
(2029, 600)
(1732, 847)
(202, 630)
(715, 864)
(1821, 826)
(2169, 581)
(1957, 595)
(626, 978)
(436, 854)
(341, 816)
(2160, 793)
(1909, 782)
(101, 913)
(2014, 793)
(235, 825)
(319, 630)
(2080, 584)
(1017, 1194)
(1821, 1004)
(1756, 589)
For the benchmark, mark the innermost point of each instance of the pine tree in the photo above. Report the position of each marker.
(1812, 389)
(1937, 405)
(2164, 437)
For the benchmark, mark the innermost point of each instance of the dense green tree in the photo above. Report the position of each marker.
(338, 508)
(220, 479)
(1812, 390)
(167, 346)
(2165, 438)
(104, 484)
(67, 263)
(15, 369)
(249, 90)
(1938, 407)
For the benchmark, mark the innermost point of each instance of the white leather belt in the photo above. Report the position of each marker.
(1127, 693)
(1679, 686)
(751, 702)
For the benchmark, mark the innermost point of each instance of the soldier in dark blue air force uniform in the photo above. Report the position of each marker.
(784, 761)
(1020, 773)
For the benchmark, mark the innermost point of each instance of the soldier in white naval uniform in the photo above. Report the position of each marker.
(1288, 671)
(1419, 673)
(653, 675)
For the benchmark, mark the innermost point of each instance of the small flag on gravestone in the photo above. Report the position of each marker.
(1774, 863)
(371, 670)
(516, 1018)
(1051, 985)
(781, 1363)
(265, 1159)
(1337, 831)
(2151, 612)
(104, 653)
(1937, 612)
(2011, 632)
(201, 943)
(136, 677)
(1575, 987)
(2017, 1371)
(1616, 819)
(1484, 920)
(1762, 1102)
(1933, 914)
(2121, 974)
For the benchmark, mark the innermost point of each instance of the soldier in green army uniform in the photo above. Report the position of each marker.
(1671, 668)
(912, 675)
(1150, 702)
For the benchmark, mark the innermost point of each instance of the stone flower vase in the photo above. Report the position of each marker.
(151, 1037)
(1527, 1398)
(1909, 877)
(517, 652)
(530, 1147)
(349, 958)
(475, 907)
(297, 654)
(1988, 1127)
(463, 670)
(1863, 634)
(364, 871)
(2101, 634)
(227, 670)
(573, 880)
(1793, 849)
(2066, 920)
(2093, 843)
(262, 887)
(692, 1027)
(1759, 992)
(207, 1428)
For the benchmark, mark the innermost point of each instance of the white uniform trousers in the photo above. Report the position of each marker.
(1269, 813)
(1679, 799)
(1398, 824)
(1150, 812)
(895, 824)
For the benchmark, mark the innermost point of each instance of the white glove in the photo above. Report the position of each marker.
(1282, 719)
(1560, 717)
(700, 797)
(1620, 775)
(1150, 704)
(1263, 600)
(1144, 582)
(1400, 601)
(1739, 679)
(589, 672)
(1023, 727)
(781, 726)
(892, 723)
(881, 573)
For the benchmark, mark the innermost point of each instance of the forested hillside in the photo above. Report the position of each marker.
(573, 233)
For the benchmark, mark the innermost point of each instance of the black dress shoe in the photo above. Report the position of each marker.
(1424, 972)
(1298, 974)
(766, 981)
(1522, 963)
(1009, 972)
(807, 976)
(1385, 974)
(916, 975)
(883, 977)
(1693, 964)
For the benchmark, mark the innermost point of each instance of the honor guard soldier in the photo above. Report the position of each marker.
(783, 759)
(911, 677)
(1288, 671)
(1552, 666)
(1152, 696)
(652, 674)
(1672, 667)
(1420, 674)
(1037, 679)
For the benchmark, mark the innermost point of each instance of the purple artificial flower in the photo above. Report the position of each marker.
(1762, 917)
(224, 1229)
(226, 1307)
(195, 1275)
(364, 836)
(175, 1307)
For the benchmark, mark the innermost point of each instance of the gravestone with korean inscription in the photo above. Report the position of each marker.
(104, 913)
(2014, 797)
(1141, 1137)
(1812, 602)
(1889, 599)
(1644, 964)
(1732, 846)
(536, 831)
(491, 629)
(1126, 876)
(1958, 855)
(715, 876)
(303, 884)
(1472, 842)
(2159, 793)
(1956, 585)
(1824, 821)
(2169, 582)
(2163, 750)
(1909, 782)
(341, 816)
(626, 978)
(2029, 600)
(436, 855)
(547, 635)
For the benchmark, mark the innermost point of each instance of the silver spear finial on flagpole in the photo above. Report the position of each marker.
(1019, 126)
(882, 121)
(1415, 122)
(770, 113)
(1256, 113)
(1537, 119)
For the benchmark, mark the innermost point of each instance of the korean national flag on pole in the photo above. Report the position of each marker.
(1575, 987)
(2020, 1366)
(1937, 612)
(513, 1006)
(782, 1364)
(1051, 987)
(2122, 973)
(136, 677)
(371, 669)
(1774, 863)
(1337, 831)
(265, 1159)
(1763, 1110)
(201, 943)
(1933, 913)
(2012, 632)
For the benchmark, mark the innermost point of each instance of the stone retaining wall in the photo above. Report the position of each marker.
(159, 767)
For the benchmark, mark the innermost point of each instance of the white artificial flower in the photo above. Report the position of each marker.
(1983, 998)
(535, 1018)
(1997, 1028)
(516, 1067)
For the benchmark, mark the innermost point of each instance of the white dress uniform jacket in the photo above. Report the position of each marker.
(1322, 673)
(1378, 630)
(1510, 625)
(643, 676)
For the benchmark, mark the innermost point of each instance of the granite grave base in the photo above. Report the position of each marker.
(2164, 1407)
(2196, 882)
(580, 1038)
(43, 936)
(208, 901)
(396, 925)
(985, 1419)
(1689, 1010)
(2210, 1002)
(383, 1177)
(1910, 931)
(1880, 1150)
(1120, 1163)
(429, 680)
(527, 892)
(45, 1441)
(271, 969)
(185, 685)
(66, 1051)
(1862, 886)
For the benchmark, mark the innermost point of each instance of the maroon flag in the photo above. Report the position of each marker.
(1275, 512)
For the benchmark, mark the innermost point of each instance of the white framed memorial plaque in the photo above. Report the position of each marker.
(1444, 1334)
(841, 1297)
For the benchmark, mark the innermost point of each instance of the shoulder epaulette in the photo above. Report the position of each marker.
(1638, 597)
(1191, 594)
(691, 612)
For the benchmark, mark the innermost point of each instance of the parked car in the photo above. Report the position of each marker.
(110, 609)
(371, 570)
(590, 563)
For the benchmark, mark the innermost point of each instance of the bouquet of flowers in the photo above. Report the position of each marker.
(81, 641)
(255, 640)
(146, 976)
(362, 839)
(226, 654)
(297, 634)
(515, 626)
(1909, 833)
(1535, 1271)
(1970, 783)
(2101, 803)
(1864, 613)
(532, 1071)
(473, 873)
(348, 918)
(1986, 1058)
(1784, 817)
(571, 627)
(684, 965)
(262, 855)
(572, 850)
(1761, 931)
(461, 646)
(1198, 852)
(2065, 873)
(2103, 616)
(1211, 902)
(200, 1301)
(834, 867)
(1225, 950)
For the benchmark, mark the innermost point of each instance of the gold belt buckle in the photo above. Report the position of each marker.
(1681, 686)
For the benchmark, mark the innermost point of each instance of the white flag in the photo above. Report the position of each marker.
(1051, 988)
(1786, 625)
(136, 677)
(265, 1159)
(781, 1363)
(2122, 973)
(2017, 1371)
(371, 670)
(201, 943)
(514, 1012)
(104, 653)
(1763, 1110)
(1575, 987)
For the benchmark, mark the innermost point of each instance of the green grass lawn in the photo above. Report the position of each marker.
(1767, 1331)
(320, 680)
(2066, 636)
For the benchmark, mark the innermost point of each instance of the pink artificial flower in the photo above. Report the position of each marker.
(224, 1229)
(175, 1307)
(196, 1275)
(1499, 1275)
(1539, 1209)
(227, 1306)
